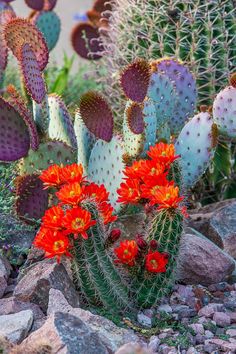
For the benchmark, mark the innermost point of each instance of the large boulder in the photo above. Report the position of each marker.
(15, 327)
(35, 285)
(200, 261)
(110, 335)
(64, 333)
(5, 270)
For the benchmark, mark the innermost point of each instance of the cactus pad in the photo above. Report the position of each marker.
(5, 16)
(49, 4)
(33, 79)
(135, 119)
(31, 197)
(97, 115)
(35, 4)
(41, 115)
(85, 141)
(106, 167)
(102, 5)
(195, 145)
(185, 88)
(50, 25)
(15, 139)
(60, 122)
(86, 41)
(20, 31)
(49, 153)
(224, 112)
(135, 79)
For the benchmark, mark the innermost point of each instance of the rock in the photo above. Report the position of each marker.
(223, 225)
(221, 319)
(165, 308)
(201, 262)
(232, 316)
(3, 285)
(210, 348)
(224, 345)
(198, 328)
(5, 270)
(40, 278)
(231, 332)
(209, 310)
(12, 305)
(15, 327)
(209, 334)
(112, 336)
(154, 344)
(132, 348)
(144, 320)
(65, 334)
(191, 350)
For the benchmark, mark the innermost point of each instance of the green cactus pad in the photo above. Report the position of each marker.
(195, 145)
(134, 80)
(50, 25)
(49, 153)
(106, 167)
(60, 122)
(85, 141)
(41, 115)
(31, 198)
(97, 115)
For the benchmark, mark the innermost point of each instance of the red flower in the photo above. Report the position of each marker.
(70, 194)
(126, 252)
(135, 171)
(106, 211)
(129, 191)
(152, 169)
(167, 197)
(52, 217)
(164, 153)
(156, 262)
(55, 243)
(77, 221)
(98, 193)
(151, 185)
(72, 173)
(51, 177)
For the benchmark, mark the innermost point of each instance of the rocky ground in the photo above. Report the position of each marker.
(40, 309)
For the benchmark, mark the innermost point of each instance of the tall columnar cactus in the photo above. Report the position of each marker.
(200, 33)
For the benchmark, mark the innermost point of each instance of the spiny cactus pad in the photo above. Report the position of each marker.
(20, 106)
(49, 153)
(195, 145)
(106, 167)
(49, 4)
(41, 115)
(97, 115)
(135, 119)
(50, 25)
(185, 88)
(15, 138)
(135, 79)
(60, 122)
(20, 31)
(31, 197)
(224, 112)
(35, 4)
(33, 79)
(85, 141)
(102, 5)
(161, 91)
(5, 16)
(86, 41)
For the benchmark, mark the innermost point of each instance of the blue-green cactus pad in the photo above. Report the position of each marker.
(50, 25)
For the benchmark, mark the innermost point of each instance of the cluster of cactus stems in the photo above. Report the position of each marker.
(160, 98)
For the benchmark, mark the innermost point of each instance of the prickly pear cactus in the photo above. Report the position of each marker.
(195, 145)
(224, 110)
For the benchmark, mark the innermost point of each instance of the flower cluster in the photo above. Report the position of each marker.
(68, 219)
(146, 181)
(137, 252)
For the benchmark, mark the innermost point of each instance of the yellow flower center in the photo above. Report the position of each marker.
(154, 189)
(126, 252)
(54, 218)
(72, 193)
(78, 223)
(130, 192)
(163, 153)
(168, 195)
(154, 263)
(57, 245)
(72, 174)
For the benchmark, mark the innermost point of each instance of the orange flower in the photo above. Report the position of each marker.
(106, 211)
(98, 193)
(156, 262)
(152, 169)
(51, 177)
(151, 186)
(55, 243)
(129, 191)
(77, 221)
(72, 173)
(164, 153)
(70, 194)
(167, 197)
(135, 171)
(52, 217)
(126, 252)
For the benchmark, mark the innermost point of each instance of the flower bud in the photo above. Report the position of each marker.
(153, 245)
(142, 244)
(114, 235)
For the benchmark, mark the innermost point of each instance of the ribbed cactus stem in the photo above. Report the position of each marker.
(166, 229)
(95, 273)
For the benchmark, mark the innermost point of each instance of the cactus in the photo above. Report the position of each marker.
(200, 33)
(39, 5)
(224, 112)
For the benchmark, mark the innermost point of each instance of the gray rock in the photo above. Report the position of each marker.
(192, 350)
(198, 328)
(223, 225)
(221, 319)
(165, 308)
(112, 336)
(144, 320)
(231, 332)
(154, 344)
(35, 285)
(15, 327)
(202, 262)
(209, 310)
(209, 334)
(65, 334)
(5, 270)
(12, 305)
(133, 348)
